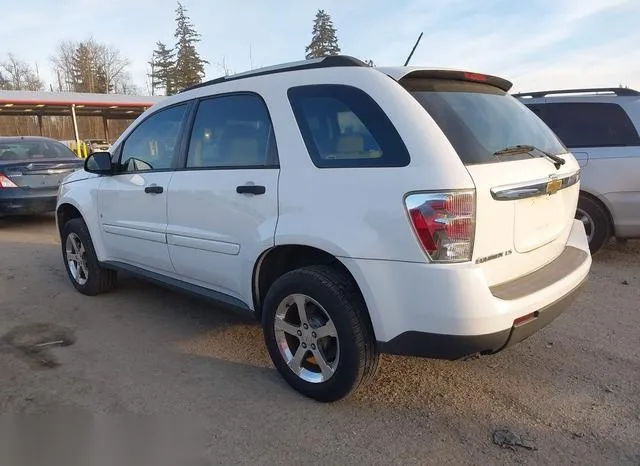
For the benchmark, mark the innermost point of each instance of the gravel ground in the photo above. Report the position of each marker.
(156, 358)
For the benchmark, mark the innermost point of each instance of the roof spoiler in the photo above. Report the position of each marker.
(495, 81)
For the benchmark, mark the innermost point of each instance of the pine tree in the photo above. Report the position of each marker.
(92, 67)
(324, 40)
(82, 70)
(163, 69)
(189, 67)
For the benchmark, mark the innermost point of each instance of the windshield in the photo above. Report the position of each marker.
(16, 151)
(480, 120)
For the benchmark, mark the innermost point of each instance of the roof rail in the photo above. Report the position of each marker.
(324, 62)
(620, 91)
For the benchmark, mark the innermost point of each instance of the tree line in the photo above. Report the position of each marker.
(91, 66)
(94, 67)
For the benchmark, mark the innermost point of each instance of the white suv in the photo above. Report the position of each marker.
(352, 210)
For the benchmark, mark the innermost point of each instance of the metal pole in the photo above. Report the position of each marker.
(75, 128)
(40, 124)
(105, 124)
(413, 49)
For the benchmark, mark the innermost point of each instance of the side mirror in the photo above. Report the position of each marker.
(99, 163)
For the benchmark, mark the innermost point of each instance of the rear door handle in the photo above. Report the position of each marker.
(153, 189)
(251, 189)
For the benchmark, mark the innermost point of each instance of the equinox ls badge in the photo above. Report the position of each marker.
(498, 255)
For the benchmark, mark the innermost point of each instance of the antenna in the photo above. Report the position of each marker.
(413, 49)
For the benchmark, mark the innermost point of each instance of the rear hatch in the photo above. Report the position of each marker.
(525, 199)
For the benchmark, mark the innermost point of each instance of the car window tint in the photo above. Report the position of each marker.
(34, 150)
(152, 145)
(344, 127)
(232, 131)
(479, 120)
(590, 124)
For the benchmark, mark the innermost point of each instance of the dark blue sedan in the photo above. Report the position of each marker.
(31, 169)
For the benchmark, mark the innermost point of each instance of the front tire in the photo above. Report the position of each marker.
(595, 219)
(81, 262)
(318, 334)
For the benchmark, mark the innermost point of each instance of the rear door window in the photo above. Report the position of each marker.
(480, 120)
(590, 124)
(232, 131)
(343, 127)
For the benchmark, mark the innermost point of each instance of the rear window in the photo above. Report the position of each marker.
(343, 127)
(480, 120)
(33, 150)
(589, 124)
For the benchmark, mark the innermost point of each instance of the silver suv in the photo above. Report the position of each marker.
(600, 126)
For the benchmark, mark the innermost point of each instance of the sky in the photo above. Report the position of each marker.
(537, 44)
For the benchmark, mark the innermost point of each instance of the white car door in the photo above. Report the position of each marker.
(133, 202)
(223, 206)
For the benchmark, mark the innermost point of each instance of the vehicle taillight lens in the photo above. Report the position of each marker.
(6, 182)
(444, 224)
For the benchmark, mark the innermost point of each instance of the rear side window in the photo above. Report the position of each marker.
(343, 127)
(590, 124)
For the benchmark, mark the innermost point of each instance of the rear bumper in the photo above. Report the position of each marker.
(449, 311)
(438, 346)
(17, 201)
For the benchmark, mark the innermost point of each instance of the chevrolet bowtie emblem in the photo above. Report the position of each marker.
(554, 186)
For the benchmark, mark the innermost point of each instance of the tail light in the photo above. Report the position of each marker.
(6, 182)
(444, 223)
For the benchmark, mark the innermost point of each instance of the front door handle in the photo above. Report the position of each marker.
(153, 189)
(251, 189)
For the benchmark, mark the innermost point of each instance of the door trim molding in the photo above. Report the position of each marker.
(154, 236)
(203, 244)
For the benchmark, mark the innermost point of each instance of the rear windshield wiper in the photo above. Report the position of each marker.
(524, 148)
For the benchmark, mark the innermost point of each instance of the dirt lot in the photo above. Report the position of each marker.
(573, 389)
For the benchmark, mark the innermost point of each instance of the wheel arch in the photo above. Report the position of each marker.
(278, 260)
(605, 206)
(65, 212)
(69, 209)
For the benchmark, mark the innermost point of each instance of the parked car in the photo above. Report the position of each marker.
(601, 127)
(96, 145)
(31, 169)
(352, 210)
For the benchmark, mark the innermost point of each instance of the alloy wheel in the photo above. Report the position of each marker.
(307, 338)
(76, 255)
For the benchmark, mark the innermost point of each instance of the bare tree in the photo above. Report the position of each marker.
(90, 66)
(62, 62)
(113, 65)
(16, 74)
(222, 66)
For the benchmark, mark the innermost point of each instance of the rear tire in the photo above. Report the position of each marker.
(81, 262)
(596, 222)
(331, 367)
